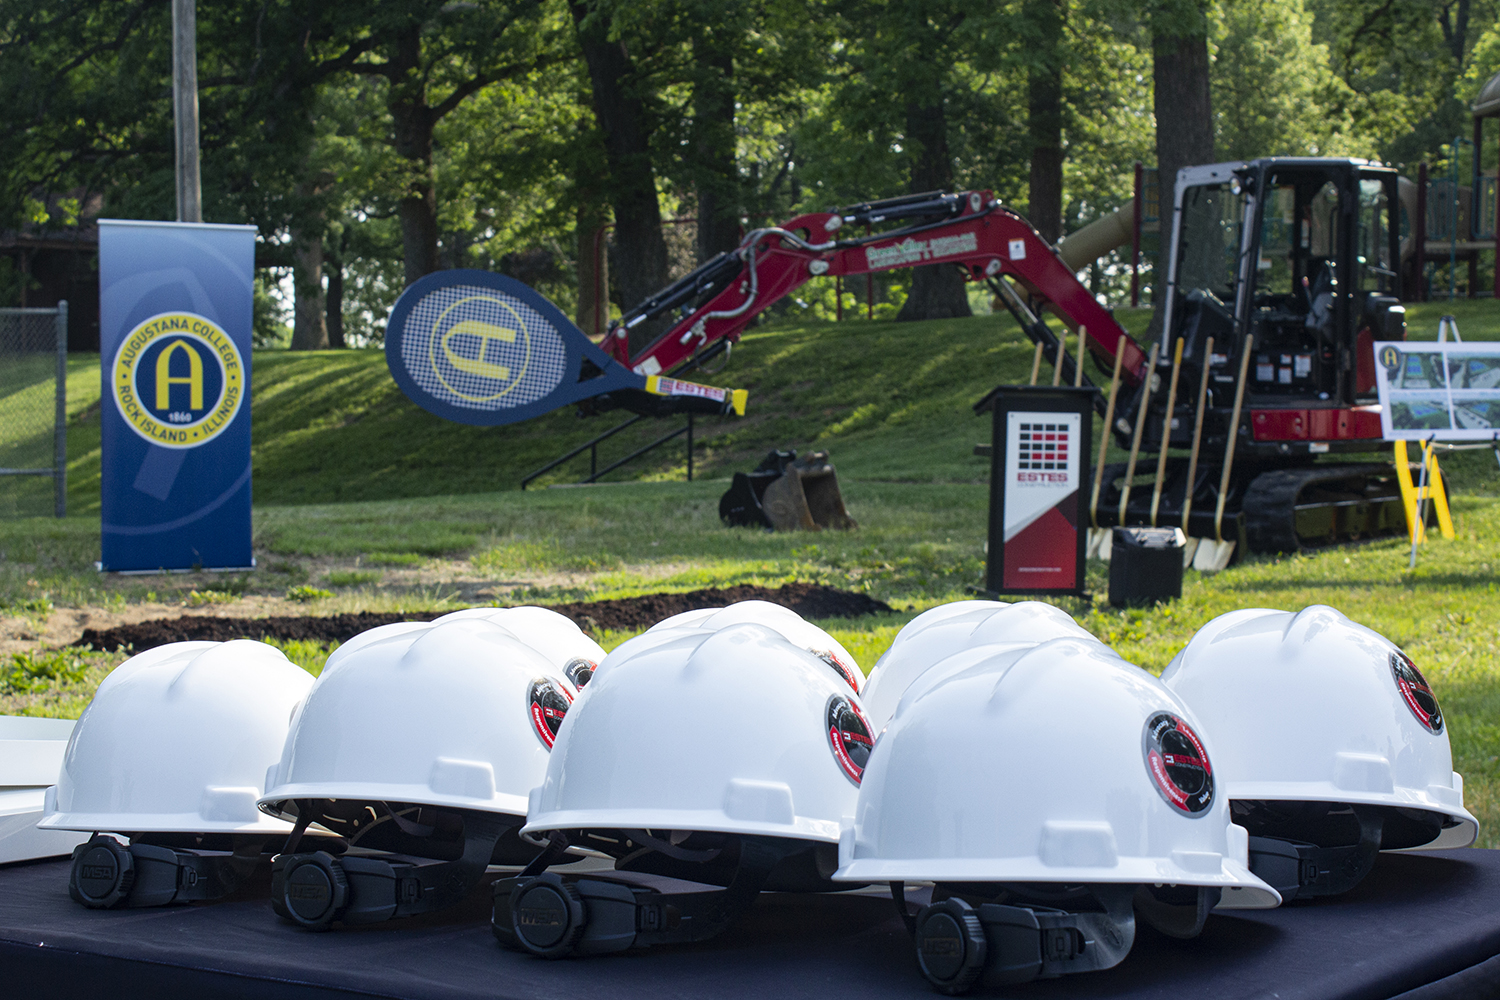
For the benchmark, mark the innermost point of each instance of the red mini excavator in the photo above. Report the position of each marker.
(1282, 273)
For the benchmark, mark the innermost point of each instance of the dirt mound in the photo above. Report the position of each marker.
(807, 599)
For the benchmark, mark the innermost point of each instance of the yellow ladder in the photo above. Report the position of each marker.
(1411, 493)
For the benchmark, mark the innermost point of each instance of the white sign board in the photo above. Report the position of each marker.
(1041, 466)
(1450, 391)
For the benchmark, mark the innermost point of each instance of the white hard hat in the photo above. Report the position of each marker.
(455, 713)
(726, 757)
(379, 633)
(750, 734)
(178, 739)
(1313, 708)
(790, 625)
(688, 619)
(31, 756)
(1054, 792)
(422, 743)
(1061, 765)
(944, 612)
(557, 637)
(755, 612)
(933, 636)
(989, 658)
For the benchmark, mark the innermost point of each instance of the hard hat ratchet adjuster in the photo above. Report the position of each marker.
(958, 944)
(314, 889)
(1302, 871)
(107, 874)
(554, 917)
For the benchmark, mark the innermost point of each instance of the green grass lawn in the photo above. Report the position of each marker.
(889, 401)
(362, 496)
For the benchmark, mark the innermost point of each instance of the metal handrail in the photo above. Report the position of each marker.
(592, 443)
(685, 428)
(592, 447)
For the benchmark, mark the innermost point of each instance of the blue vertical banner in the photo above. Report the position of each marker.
(175, 302)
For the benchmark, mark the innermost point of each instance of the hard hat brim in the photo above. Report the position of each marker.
(158, 823)
(1244, 890)
(274, 801)
(1462, 835)
(705, 820)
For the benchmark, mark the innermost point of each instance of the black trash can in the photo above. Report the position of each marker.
(1145, 566)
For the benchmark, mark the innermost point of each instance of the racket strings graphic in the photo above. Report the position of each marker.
(480, 348)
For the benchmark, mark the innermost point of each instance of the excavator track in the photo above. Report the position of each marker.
(1292, 510)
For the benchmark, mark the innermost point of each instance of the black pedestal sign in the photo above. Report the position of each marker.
(1039, 483)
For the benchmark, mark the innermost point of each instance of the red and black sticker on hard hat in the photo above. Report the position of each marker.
(848, 736)
(1416, 692)
(844, 670)
(1178, 764)
(547, 704)
(580, 671)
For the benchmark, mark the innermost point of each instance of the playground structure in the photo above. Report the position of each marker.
(1445, 219)
(1456, 222)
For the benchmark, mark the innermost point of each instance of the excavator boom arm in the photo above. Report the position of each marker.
(970, 230)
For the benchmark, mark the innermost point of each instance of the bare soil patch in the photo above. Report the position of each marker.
(629, 613)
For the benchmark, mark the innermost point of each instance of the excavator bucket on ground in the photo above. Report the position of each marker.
(788, 493)
(807, 497)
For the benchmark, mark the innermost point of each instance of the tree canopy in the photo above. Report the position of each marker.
(598, 148)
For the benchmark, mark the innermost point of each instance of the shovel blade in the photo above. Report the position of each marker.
(1100, 544)
(1213, 556)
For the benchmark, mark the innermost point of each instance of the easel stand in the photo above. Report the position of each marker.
(1429, 486)
(1414, 496)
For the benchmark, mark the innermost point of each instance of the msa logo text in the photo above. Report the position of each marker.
(307, 892)
(533, 916)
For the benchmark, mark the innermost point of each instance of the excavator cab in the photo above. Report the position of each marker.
(1298, 259)
(1301, 254)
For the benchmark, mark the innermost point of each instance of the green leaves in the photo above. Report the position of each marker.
(468, 132)
(40, 670)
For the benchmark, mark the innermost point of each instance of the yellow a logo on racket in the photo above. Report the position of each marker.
(485, 333)
(478, 337)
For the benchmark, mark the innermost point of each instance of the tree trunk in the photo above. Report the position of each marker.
(1044, 119)
(309, 331)
(1455, 32)
(937, 291)
(413, 120)
(1184, 116)
(590, 224)
(641, 264)
(715, 177)
(335, 302)
(593, 269)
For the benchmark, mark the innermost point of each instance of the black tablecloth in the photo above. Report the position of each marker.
(1426, 923)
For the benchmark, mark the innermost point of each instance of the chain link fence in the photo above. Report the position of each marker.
(33, 411)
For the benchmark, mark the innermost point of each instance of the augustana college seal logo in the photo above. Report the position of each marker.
(178, 380)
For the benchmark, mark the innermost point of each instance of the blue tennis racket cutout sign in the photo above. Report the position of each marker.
(477, 347)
